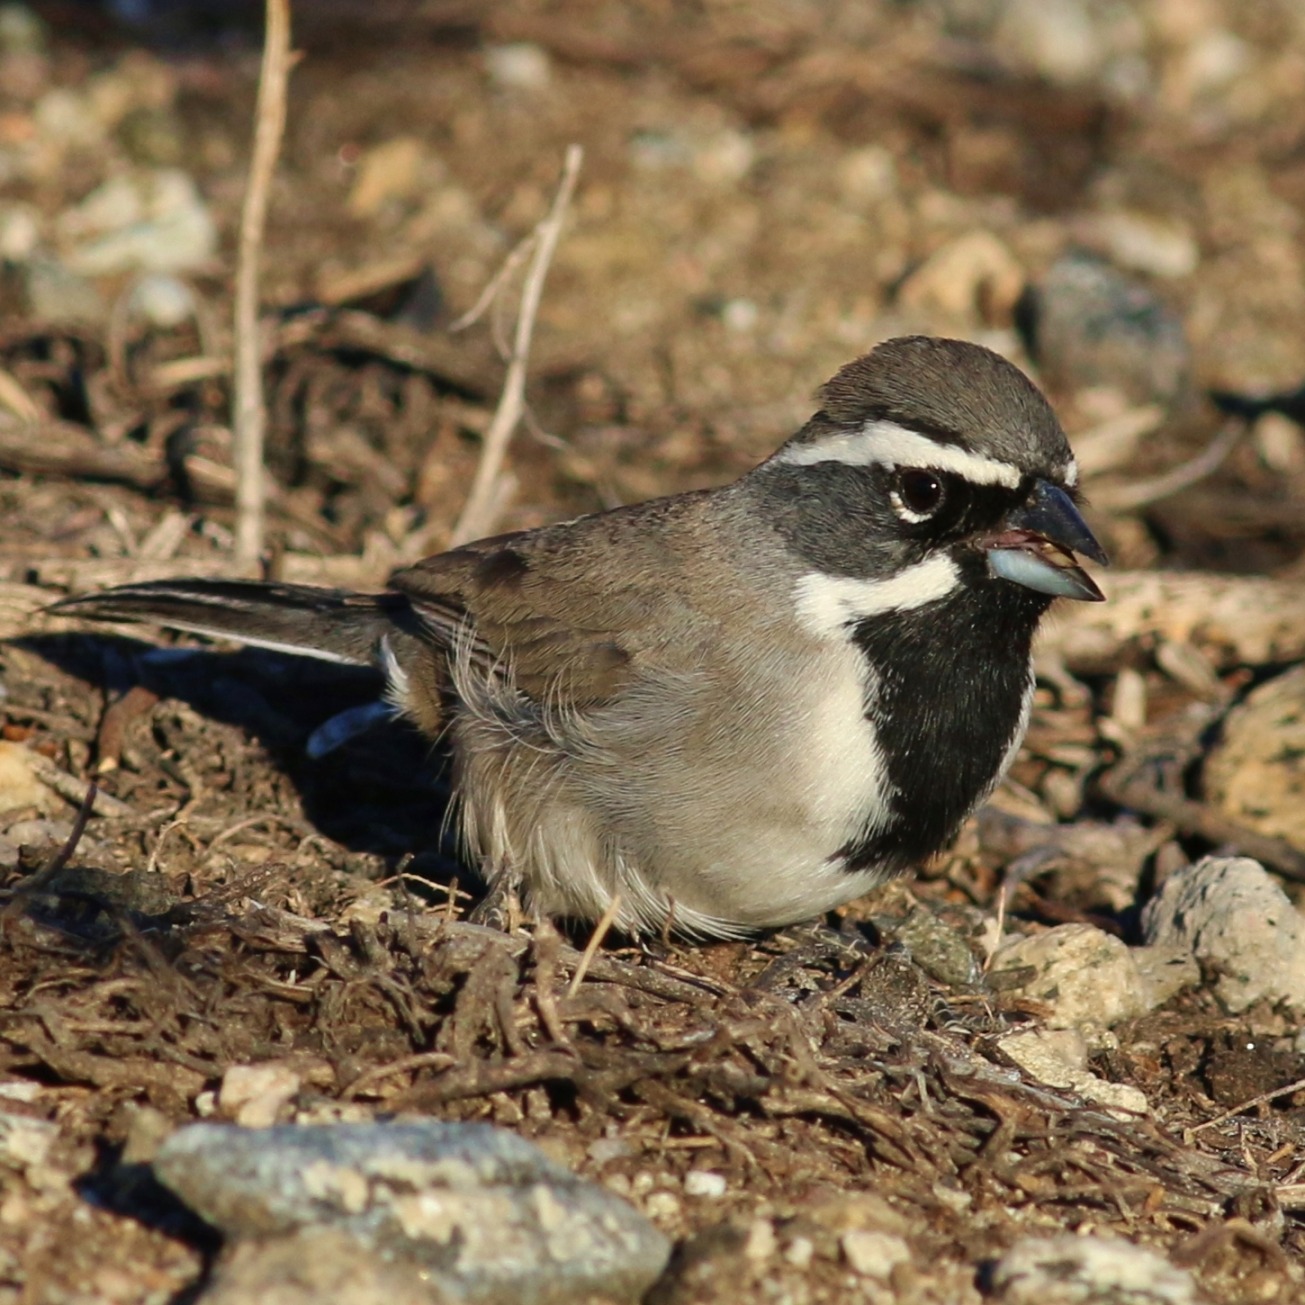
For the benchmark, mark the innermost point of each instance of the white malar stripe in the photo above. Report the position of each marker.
(827, 604)
(887, 444)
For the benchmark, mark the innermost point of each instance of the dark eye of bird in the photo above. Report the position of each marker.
(921, 492)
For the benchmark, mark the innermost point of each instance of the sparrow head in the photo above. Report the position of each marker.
(932, 466)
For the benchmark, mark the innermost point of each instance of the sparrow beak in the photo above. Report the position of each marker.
(1037, 543)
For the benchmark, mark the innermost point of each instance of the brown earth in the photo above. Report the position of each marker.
(767, 189)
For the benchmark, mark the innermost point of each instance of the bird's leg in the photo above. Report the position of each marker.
(500, 908)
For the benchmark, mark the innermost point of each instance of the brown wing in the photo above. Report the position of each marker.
(570, 607)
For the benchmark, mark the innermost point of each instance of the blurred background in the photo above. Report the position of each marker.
(1110, 193)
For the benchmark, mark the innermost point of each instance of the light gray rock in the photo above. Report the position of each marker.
(1090, 325)
(1256, 771)
(481, 1214)
(1059, 1057)
(1073, 1270)
(1088, 978)
(1230, 914)
(151, 219)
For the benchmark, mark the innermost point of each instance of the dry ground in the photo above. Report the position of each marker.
(764, 187)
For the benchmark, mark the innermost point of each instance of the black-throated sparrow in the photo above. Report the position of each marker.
(739, 707)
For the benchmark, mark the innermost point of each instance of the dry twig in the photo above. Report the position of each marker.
(595, 942)
(250, 412)
(482, 505)
(1133, 497)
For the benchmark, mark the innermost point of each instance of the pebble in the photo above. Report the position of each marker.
(867, 175)
(1073, 1270)
(874, 1254)
(24, 1140)
(1058, 1057)
(974, 275)
(1232, 916)
(255, 1095)
(151, 219)
(56, 294)
(162, 300)
(938, 948)
(480, 1212)
(1089, 979)
(20, 787)
(800, 1252)
(20, 232)
(1256, 772)
(1089, 325)
(394, 170)
(519, 66)
(703, 1182)
(761, 1243)
(1154, 246)
(314, 1265)
(1057, 39)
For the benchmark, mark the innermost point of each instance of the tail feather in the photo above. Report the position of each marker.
(332, 625)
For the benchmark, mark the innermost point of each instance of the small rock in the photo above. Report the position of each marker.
(605, 1149)
(662, 1205)
(1058, 1057)
(868, 175)
(484, 1214)
(1280, 442)
(703, 1182)
(314, 1265)
(1089, 979)
(874, 1254)
(1089, 325)
(1073, 1270)
(1256, 772)
(66, 119)
(1166, 970)
(724, 157)
(24, 1140)
(21, 1089)
(392, 171)
(938, 948)
(151, 219)
(19, 786)
(973, 275)
(20, 232)
(1155, 246)
(56, 294)
(741, 315)
(761, 1243)
(147, 1130)
(1215, 61)
(255, 1095)
(1056, 39)
(519, 66)
(1232, 916)
(800, 1252)
(162, 300)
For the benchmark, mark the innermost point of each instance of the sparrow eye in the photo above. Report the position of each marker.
(918, 494)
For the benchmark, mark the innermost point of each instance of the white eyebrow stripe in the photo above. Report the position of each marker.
(887, 444)
(827, 604)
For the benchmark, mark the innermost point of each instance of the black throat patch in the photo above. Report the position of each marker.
(948, 689)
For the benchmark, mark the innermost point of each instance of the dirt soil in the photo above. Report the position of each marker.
(767, 189)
